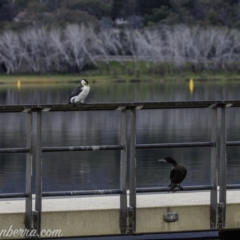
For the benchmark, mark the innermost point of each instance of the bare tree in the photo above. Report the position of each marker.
(59, 54)
(10, 51)
(105, 46)
(30, 49)
(176, 42)
(130, 42)
(235, 50)
(46, 51)
(222, 46)
(71, 49)
(156, 46)
(78, 45)
(119, 47)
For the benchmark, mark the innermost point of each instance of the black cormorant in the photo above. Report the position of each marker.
(80, 93)
(177, 173)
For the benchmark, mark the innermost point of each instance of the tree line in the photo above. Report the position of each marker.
(17, 14)
(77, 47)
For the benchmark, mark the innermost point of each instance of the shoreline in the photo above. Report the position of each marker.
(69, 79)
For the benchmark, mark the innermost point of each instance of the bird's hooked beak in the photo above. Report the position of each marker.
(162, 160)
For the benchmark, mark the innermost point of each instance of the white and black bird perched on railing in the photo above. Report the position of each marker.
(177, 173)
(79, 93)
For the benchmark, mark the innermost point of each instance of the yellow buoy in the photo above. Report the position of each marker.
(191, 85)
(18, 84)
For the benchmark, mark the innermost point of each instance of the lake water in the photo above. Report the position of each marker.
(100, 170)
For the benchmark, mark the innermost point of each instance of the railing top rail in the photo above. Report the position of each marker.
(118, 106)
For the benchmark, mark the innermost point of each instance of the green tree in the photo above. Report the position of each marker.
(64, 16)
(35, 7)
(212, 17)
(130, 8)
(147, 6)
(158, 14)
(117, 6)
(3, 2)
(96, 8)
(8, 10)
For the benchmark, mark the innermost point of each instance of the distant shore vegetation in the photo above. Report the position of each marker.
(119, 37)
(160, 50)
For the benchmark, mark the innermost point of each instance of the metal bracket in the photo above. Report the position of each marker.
(170, 217)
(28, 222)
(35, 217)
(220, 215)
(131, 220)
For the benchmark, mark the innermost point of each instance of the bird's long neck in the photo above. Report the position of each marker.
(174, 163)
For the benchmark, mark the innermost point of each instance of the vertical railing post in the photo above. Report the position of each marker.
(213, 194)
(132, 175)
(38, 197)
(28, 186)
(123, 174)
(222, 172)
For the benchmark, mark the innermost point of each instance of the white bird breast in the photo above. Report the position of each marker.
(83, 94)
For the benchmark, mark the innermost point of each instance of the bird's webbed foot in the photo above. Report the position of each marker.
(77, 104)
(72, 103)
(173, 186)
(180, 187)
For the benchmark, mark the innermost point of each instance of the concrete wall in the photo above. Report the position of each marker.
(95, 215)
(233, 209)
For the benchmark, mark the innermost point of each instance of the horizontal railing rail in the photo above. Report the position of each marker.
(80, 193)
(233, 143)
(174, 145)
(82, 148)
(128, 223)
(166, 189)
(13, 195)
(14, 150)
(118, 106)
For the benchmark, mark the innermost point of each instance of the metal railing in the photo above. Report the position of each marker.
(127, 213)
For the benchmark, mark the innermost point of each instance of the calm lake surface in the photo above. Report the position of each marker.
(100, 170)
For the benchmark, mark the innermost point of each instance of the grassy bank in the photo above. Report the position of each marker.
(54, 79)
(116, 72)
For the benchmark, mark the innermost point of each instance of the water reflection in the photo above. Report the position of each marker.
(100, 170)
